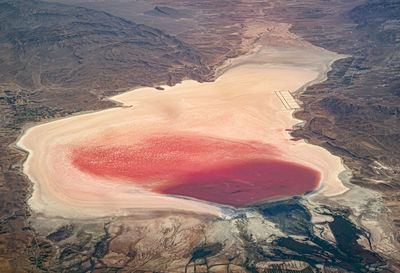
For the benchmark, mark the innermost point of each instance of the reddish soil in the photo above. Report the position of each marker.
(210, 169)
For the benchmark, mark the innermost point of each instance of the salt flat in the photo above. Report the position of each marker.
(239, 109)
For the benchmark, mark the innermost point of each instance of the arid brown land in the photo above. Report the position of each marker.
(57, 60)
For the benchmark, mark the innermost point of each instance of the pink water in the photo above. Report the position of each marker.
(211, 169)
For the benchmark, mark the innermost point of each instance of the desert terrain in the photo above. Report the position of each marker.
(60, 60)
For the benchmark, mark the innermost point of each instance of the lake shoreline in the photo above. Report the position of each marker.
(321, 75)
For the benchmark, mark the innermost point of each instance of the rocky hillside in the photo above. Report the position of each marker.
(50, 45)
(356, 113)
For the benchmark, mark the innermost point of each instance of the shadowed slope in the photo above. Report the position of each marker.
(55, 45)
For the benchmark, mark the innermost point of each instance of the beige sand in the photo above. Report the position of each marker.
(240, 105)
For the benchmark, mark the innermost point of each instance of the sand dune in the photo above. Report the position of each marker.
(75, 163)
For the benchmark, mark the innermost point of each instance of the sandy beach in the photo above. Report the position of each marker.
(240, 108)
